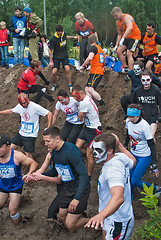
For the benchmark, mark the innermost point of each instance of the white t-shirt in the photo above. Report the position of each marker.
(139, 134)
(30, 118)
(71, 110)
(114, 173)
(89, 107)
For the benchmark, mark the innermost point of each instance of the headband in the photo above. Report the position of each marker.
(133, 112)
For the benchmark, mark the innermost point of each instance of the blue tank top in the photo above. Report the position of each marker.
(10, 175)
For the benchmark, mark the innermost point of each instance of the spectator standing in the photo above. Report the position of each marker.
(4, 43)
(17, 25)
(33, 26)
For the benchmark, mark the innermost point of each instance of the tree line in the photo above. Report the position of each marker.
(98, 12)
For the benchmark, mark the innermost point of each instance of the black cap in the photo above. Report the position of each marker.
(4, 140)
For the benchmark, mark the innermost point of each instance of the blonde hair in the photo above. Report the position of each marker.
(2, 23)
(80, 15)
(116, 9)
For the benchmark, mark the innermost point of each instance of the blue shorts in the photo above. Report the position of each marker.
(57, 61)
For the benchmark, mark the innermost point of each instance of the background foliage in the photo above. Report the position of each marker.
(98, 12)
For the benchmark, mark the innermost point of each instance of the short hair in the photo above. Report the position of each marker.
(62, 93)
(43, 35)
(17, 8)
(146, 72)
(79, 14)
(35, 63)
(108, 139)
(2, 23)
(116, 9)
(59, 28)
(77, 88)
(53, 132)
(140, 63)
(151, 24)
(92, 38)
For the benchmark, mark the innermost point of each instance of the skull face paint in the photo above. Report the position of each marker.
(99, 152)
(137, 69)
(146, 81)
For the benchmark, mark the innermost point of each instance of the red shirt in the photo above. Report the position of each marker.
(3, 37)
(27, 79)
(86, 30)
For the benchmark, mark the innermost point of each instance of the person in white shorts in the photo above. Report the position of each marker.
(115, 209)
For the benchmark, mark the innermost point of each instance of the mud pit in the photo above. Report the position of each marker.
(37, 197)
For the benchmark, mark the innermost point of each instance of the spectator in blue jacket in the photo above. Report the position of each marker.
(17, 26)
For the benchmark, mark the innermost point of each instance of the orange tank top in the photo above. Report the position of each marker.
(135, 33)
(97, 62)
(150, 46)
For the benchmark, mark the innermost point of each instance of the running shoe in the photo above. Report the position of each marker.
(54, 87)
(127, 79)
(124, 70)
(70, 87)
(157, 191)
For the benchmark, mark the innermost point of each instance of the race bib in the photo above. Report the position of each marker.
(7, 172)
(27, 127)
(65, 172)
(101, 57)
(84, 34)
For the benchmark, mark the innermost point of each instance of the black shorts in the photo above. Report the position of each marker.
(18, 191)
(64, 201)
(27, 142)
(131, 44)
(94, 80)
(88, 134)
(150, 58)
(57, 61)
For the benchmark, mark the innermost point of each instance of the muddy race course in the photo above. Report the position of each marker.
(37, 197)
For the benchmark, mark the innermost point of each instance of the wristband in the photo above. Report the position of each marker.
(77, 44)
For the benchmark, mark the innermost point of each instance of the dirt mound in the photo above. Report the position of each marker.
(37, 196)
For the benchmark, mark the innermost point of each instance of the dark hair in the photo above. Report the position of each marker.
(108, 139)
(77, 88)
(151, 24)
(140, 63)
(43, 35)
(62, 93)
(59, 28)
(17, 8)
(52, 131)
(35, 63)
(146, 72)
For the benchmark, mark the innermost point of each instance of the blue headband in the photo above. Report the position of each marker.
(133, 112)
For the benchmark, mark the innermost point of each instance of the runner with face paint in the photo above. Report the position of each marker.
(142, 147)
(115, 209)
(30, 113)
(149, 96)
(69, 106)
(89, 112)
(135, 77)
